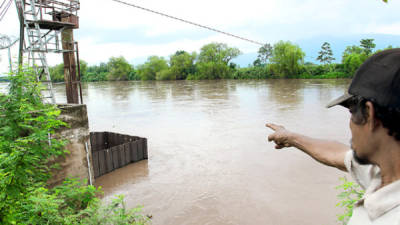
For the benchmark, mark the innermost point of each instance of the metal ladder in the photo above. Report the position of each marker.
(37, 49)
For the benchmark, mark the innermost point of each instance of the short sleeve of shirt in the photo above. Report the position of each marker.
(363, 174)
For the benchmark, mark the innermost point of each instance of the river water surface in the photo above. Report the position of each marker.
(209, 161)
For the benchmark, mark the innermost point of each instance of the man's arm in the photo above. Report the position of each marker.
(330, 153)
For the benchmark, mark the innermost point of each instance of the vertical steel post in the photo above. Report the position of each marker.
(79, 71)
(9, 58)
(69, 66)
(19, 6)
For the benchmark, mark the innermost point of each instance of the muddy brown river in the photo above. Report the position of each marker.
(209, 161)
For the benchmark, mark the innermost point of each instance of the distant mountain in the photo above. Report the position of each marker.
(312, 46)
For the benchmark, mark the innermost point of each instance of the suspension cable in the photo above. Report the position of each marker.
(4, 11)
(4, 1)
(188, 22)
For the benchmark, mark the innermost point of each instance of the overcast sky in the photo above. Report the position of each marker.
(110, 29)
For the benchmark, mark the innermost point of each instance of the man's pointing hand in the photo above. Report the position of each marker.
(281, 137)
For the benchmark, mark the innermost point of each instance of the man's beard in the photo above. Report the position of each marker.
(359, 160)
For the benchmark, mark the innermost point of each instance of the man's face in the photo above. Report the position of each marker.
(360, 142)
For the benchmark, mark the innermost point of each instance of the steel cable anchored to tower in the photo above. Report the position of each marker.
(4, 10)
(188, 22)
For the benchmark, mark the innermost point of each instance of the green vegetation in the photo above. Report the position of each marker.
(213, 62)
(351, 193)
(25, 155)
(119, 69)
(325, 55)
(252, 72)
(264, 53)
(286, 60)
(152, 68)
(367, 45)
(182, 65)
(96, 73)
(281, 60)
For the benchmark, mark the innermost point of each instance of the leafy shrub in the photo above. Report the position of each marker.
(351, 193)
(113, 213)
(119, 68)
(153, 65)
(314, 69)
(191, 77)
(165, 74)
(92, 76)
(213, 70)
(328, 75)
(352, 62)
(25, 126)
(286, 59)
(255, 72)
(25, 151)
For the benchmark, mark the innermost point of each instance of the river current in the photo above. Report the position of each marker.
(209, 160)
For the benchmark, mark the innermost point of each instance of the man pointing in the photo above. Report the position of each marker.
(373, 159)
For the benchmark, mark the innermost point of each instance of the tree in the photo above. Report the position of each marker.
(353, 49)
(57, 73)
(101, 68)
(96, 73)
(217, 52)
(257, 63)
(182, 64)
(368, 45)
(352, 62)
(119, 68)
(325, 55)
(213, 61)
(83, 66)
(264, 53)
(213, 70)
(286, 59)
(354, 56)
(153, 65)
(165, 74)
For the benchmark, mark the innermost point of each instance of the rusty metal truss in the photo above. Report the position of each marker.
(44, 21)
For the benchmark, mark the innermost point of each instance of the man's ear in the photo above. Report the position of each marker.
(373, 123)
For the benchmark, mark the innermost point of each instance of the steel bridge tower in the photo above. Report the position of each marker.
(42, 23)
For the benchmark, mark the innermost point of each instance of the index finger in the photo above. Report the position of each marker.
(272, 126)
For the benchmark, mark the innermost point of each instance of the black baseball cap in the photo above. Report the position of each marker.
(377, 79)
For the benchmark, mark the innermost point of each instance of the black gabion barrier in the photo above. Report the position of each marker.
(111, 151)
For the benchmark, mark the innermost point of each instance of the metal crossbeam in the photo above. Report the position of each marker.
(43, 24)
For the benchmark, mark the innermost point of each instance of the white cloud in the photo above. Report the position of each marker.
(264, 21)
(100, 52)
(392, 29)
